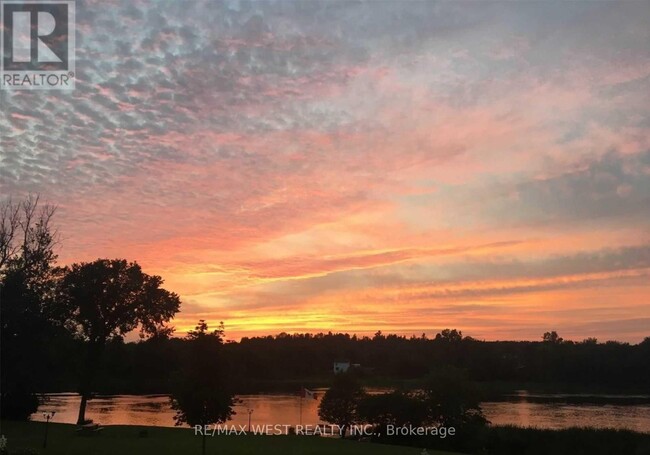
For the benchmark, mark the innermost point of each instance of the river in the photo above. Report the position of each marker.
(521, 409)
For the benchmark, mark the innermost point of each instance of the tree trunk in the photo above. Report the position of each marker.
(92, 360)
(82, 409)
(203, 443)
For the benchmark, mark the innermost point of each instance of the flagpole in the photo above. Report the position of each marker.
(302, 392)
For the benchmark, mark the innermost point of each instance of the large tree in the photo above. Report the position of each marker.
(451, 399)
(27, 276)
(202, 393)
(339, 405)
(105, 300)
(396, 408)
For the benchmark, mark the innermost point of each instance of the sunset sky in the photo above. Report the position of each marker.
(393, 166)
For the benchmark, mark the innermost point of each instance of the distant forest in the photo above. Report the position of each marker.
(286, 362)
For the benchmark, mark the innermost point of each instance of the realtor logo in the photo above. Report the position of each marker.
(38, 45)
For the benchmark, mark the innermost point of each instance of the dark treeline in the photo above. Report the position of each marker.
(289, 361)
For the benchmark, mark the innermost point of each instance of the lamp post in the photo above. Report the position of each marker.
(250, 412)
(48, 415)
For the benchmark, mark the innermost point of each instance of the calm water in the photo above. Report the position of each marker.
(523, 410)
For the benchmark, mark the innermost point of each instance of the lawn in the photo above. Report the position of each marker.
(123, 439)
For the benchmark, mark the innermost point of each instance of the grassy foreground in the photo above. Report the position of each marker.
(510, 440)
(124, 439)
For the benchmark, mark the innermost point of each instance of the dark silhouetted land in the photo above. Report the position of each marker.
(118, 439)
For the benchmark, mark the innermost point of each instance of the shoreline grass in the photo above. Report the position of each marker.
(27, 438)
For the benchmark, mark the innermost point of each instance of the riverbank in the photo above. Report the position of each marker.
(510, 440)
(26, 438)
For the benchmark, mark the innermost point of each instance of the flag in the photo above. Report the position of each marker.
(306, 393)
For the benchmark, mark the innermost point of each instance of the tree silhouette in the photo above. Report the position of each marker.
(552, 338)
(201, 392)
(27, 277)
(27, 238)
(340, 403)
(106, 299)
(450, 335)
(396, 408)
(451, 399)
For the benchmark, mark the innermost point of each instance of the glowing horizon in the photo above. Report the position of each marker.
(315, 167)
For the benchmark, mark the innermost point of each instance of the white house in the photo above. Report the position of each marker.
(341, 367)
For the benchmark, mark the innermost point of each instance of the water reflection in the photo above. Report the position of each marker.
(155, 409)
(561, 415)
(286, 410)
